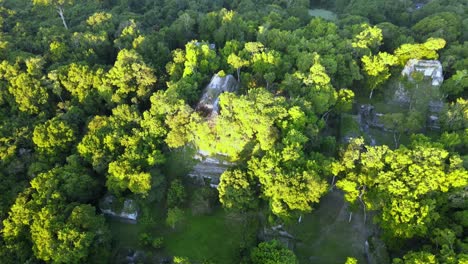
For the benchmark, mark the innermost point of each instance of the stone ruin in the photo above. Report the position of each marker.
(279, 233)
(430, 69)
(128, 210)
(209, 102)
(369, 117)
(432, 72)
(210, 167)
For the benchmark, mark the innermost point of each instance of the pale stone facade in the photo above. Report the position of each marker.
(429, 68)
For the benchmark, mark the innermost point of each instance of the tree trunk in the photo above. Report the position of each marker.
(60, 12)
(396, 139)
(350, 217)
(332, 183)
(325, 115)
(238, 75)
(362, 202)
(364, 210)
(370, 95)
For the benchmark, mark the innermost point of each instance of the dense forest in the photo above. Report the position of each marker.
(100, 101)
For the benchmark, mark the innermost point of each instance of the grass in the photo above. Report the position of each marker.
(349, 126)
(125, 234)
(325, 236)
(215, 238)
(179, 162)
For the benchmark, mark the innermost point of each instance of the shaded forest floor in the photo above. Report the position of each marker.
(325, 235)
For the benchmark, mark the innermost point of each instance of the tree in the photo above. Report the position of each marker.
(426, 50)
(54, 136)
(455, 115)
(236, 190)
(26, 84)
(316, 87)
(81, 81)
(125, 145)
(272, 252)
(394, 36)
(175, 194)
(401, 184)
(456, 84)
(400, 123)
(370, 38)
(129, 78)
(130, 36)
(59, 6)
(46, 218)
(244, 121)
(421, 257)
(199, 58)
(237, 63)
(377, 68)
(289, 189)
(68, 238)
(29, 93)
(445, 25)
(351, 261)
(122, 176)
(70, 183)
(174, 216)
(181, 260)
(344, 101)
(264, 62)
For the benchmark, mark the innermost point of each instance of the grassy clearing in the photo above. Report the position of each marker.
(179, 162)
(349, 126)
(325, 236)
(123, 233)
(216, 238)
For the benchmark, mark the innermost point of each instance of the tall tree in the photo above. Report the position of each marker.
(426, 50)
(67, 238)
(272, 252)
(129, 78)
(402, 184)
(377, 69)
(236, 190)
(368, 40)
(54, 137)
(59, 5)
(237, 63)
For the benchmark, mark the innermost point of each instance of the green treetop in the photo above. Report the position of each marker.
(59, 5)
(401, 184)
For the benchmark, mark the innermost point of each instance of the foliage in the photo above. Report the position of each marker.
(377, 68)
(53, 137)
(174, 217)
(368, 38)
(236, 190)
(96, 106)
(272, 252)
(426, 50)
(443, 25)
(351, 261)
(130, 78)
(400, 183)
(176, 194)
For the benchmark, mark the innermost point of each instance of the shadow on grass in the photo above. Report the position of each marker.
(325, 236)
(217, 237)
